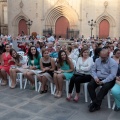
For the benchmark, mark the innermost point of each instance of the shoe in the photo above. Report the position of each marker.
(59, 95)
(46, 89)
(116, 109)
(93, 107)
(76, 99)
(32, 87)
(56, 93)
(41, 92)
(14, 86)
(69, 98)
(3, 83)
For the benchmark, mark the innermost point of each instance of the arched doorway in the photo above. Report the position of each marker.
(22, 27)
(104, 29)
(61, 27)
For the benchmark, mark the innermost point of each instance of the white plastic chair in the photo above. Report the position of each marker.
(113, 107)
(35, 77)
(21, 53)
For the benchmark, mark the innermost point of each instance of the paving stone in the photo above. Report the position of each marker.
(33, 107)
(11, 101)
(3, 109)
(27, 94)
(114, 116)
(15, 115)
(47, 98)
(12, 91)
(56, 113)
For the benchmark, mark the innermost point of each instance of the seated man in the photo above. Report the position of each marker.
(103, 73)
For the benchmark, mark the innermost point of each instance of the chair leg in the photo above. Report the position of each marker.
(67, 85)
(36, 83)
(20, 79)
(113, 106)
(25, 83)
(52, 88)
(39, 87)
(108, 99)
(86, 92)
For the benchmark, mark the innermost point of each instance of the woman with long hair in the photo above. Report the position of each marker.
(47, 65)
(7, 61)
(64, 71)
(34, 65)
(83, 68)
(19, 62)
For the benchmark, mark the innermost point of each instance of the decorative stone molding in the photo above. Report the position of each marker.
(16, 20)
(105, 15)
(21, 4)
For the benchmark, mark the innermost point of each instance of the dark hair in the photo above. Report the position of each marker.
(60, 60)
(115, 51)
(97, 51)
(30, 54)
(18, 57)
(83, 50)
(5, 47)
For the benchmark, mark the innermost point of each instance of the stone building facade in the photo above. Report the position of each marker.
(65, 18)
(3, 17)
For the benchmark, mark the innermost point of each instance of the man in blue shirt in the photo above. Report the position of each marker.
(103, 72)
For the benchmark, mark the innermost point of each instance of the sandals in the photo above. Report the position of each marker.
(3, 83)
(14, 86)
(44, 91)
(69, 98)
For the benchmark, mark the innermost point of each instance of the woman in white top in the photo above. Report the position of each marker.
(83, 68)
(19, 62)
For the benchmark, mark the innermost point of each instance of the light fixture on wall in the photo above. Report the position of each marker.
(29, 24)
(92, 24)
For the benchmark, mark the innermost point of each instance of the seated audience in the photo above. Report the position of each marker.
(82, 75)
(64, 71)
(103, 72)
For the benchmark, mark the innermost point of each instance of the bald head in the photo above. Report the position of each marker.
(104, 54)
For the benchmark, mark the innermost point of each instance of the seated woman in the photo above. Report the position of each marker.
(19, 62)
(116, 89)
(7, 61)
(64, 71)
(82, 75)
(47, 65)
(34, 65)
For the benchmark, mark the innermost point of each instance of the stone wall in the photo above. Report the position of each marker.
(44, 14)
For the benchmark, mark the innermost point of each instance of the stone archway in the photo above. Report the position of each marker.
(58, 11)
(105, 16)
(104, 28)
(16, 21)
(61, 27)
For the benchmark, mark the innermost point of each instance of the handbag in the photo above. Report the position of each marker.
(75, 73)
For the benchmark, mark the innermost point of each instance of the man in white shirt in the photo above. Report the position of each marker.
(50, 38)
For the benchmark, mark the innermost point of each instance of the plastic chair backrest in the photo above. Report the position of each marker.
(21, 53)
(74, 63)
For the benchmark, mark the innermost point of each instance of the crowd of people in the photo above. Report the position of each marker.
(96, 62)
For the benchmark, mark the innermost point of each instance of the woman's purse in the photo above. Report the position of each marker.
(75, 73)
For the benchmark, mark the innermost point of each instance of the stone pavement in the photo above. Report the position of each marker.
(30, 105)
